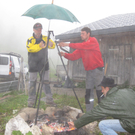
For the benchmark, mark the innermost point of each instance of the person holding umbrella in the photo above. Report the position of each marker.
(38, 61)
(93, 63)
(118, 104)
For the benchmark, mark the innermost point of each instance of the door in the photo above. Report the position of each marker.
(16, 66)
(4, 64)
(119, 63)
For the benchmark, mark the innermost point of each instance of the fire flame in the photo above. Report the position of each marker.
(59, 128)
(55, 124)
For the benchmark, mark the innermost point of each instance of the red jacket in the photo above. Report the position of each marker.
(90, 53)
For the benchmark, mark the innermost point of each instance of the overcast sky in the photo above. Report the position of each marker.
(16, 29)
(86, 11)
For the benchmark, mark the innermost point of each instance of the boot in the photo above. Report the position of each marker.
(87, 96)
(89, 103)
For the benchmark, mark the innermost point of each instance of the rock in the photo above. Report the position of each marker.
(79, 115)
(50, 111)
(92, 127)
(24, 116)
(35, 130)
(47, 130)
(72, 112)
(30, 113)
(18, 124)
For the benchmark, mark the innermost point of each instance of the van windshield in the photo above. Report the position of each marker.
(3, 61)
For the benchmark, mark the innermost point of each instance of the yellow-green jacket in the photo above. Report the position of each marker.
(38, 57)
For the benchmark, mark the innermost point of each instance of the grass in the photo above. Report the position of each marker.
(17, 100)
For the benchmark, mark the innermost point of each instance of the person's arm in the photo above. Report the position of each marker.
(104, 109)
(51, 44)
(91, 44)
(71, 56)
(93, 115)
(32, 47)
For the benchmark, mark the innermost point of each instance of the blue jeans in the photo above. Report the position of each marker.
(110, 127)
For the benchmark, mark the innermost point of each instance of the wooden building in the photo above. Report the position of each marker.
(116, 37)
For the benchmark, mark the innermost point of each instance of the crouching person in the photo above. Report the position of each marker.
(118, 103)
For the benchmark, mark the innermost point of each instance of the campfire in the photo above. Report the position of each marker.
(52, 121)
(57, 123)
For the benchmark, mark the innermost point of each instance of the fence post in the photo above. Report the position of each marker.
(21, 77)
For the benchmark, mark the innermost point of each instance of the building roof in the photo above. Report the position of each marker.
(108, 25)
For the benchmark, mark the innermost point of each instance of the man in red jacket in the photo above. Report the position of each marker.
(93, 63)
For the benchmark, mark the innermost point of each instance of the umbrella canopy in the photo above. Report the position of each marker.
(50, 11)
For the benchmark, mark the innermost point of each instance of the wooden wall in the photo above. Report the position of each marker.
(118, 51)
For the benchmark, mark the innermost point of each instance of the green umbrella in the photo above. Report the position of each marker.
(50, 11)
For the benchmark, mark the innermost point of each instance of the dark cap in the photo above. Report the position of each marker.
(37, 25)
(107, 82)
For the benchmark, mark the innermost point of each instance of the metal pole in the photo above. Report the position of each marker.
(41, 78)
(37, 91)
(69, 79)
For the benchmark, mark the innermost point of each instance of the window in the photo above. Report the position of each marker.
(3, 60)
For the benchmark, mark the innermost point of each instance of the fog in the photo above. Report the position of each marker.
(16, 29)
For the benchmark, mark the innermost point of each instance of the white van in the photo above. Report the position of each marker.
(10, 66)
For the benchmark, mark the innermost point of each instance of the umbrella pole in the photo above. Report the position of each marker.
(69, 79)
(49, 26)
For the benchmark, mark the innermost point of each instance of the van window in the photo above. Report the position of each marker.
(3, 61)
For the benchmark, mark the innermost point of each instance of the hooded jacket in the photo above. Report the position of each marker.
(90, 53)
(36, 55)
(119, 104)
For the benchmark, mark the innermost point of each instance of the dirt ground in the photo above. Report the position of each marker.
(80, 92)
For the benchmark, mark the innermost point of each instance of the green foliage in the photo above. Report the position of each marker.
(11, 93)
(14, 102)
(81, 84)
(62, 100)
(29, 133)
(19, 133)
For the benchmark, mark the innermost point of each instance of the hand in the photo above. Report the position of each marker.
(62, 54)
(50, 44)
(41, 44)
(71, 124)
(62, 44)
